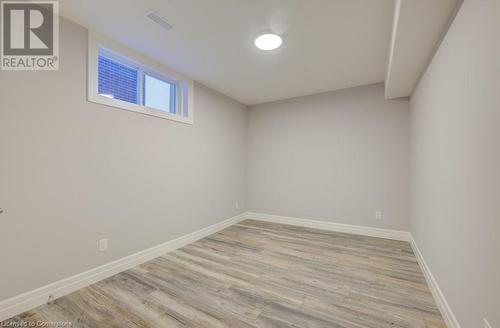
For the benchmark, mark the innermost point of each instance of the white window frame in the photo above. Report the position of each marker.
(122, 54)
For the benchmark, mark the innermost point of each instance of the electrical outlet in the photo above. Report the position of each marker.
(236, 205)
(486, 323)
(378, 215)
(103, 245)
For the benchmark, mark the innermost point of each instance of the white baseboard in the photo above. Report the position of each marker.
(339, 227)
(443, 306)
(18, 304)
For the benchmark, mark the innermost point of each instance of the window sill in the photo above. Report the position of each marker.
(102, 100)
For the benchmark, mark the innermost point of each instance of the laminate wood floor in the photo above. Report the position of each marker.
(258, 274)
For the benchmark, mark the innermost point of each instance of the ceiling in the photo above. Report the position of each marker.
(328, 44)
(418, 28)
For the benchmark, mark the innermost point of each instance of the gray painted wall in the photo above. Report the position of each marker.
(72, 172)
(455, 157)
(337, 156)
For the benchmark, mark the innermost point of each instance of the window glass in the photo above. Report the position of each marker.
(116, 80)
(159, 94)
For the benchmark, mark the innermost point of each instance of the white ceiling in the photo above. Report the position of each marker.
(328, 44)
(417, 30)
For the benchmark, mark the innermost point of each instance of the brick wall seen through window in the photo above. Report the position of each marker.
(117, 80)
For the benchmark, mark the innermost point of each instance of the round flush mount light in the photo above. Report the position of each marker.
(268, 41)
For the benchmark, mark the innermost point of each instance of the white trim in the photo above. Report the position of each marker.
(18, 304)
(37, 297)
(331, 226)
(397, 14)
(443, 306)
(144, 63)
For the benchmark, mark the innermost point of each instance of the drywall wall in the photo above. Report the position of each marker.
(72, 172)
(455, 164)
(338, 156)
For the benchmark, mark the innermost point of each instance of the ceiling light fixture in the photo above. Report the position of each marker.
(268, 41)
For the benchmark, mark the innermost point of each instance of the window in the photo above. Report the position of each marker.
(119, 78)
(159, 94)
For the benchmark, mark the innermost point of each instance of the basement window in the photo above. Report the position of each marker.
(122, 79)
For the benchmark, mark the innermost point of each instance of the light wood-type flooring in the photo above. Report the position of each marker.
(259, 274)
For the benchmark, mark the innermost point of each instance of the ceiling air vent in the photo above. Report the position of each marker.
(158, 20)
